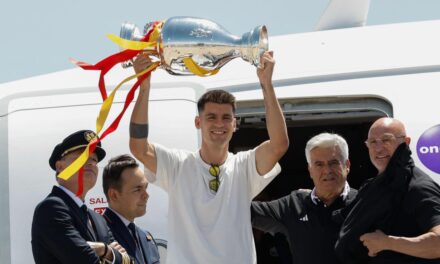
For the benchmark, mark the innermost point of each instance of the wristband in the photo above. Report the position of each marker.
(138, 130)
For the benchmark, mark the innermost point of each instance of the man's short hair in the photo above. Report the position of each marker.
(111, 177)
(218, 97)
(324, 140)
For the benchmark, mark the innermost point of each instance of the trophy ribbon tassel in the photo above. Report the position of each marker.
(105, 109)
(104, 66)
(141, 45)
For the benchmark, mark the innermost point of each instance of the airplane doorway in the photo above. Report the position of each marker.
(349, 117)
(294, 173)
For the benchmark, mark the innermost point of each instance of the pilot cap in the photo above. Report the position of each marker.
(77, 140)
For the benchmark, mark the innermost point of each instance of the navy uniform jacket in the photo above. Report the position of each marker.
(125, 239)
(60, 235)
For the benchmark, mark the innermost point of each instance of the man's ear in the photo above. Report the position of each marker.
(59, 166)
(113, 194)
(197, 122)
(347, 164)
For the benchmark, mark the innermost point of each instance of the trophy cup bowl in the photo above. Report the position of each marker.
(207, 43)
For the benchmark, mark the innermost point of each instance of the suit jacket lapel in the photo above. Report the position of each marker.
(76, 212)
(95, 224)
(122, 234)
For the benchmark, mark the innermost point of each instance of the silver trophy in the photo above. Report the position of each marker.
(208, 44)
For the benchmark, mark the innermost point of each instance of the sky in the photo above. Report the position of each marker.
(39, 36)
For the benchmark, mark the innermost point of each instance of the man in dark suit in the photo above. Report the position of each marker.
(125, 187)
(63, 229)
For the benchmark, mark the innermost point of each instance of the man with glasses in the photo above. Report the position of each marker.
(306, 217)
(396, 216)
(210, 190)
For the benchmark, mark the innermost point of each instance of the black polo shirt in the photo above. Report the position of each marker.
(308, 226)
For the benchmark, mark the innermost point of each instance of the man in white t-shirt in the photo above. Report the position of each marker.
(210, 190)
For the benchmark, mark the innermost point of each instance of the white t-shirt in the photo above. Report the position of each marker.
(203, 226)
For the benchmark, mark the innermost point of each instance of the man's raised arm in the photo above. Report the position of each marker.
(139, 145)
(269, 152)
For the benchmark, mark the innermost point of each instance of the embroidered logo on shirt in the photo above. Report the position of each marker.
(304, 218)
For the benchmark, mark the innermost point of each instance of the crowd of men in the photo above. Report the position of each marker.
(393, 218)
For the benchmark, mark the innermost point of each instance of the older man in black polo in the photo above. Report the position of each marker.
(306, 217)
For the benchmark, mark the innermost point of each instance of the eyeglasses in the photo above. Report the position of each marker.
(214, 170)
(386, 140)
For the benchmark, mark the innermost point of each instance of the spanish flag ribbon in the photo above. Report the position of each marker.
(106, 106)
(130, 44)
(196, 69)
(105, 109)
(139, 45)
(131, 49)
(80, 182)
(104, 66)
(107, 64)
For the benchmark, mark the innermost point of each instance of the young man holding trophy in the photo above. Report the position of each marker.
(211, 190)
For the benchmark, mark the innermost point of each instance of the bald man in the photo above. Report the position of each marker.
(396, 214)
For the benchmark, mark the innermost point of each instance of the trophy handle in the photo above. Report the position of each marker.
(254, 44)
(130, 31)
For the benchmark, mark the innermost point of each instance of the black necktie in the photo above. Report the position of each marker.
(87, 221)
(134, 233)
(132, 228)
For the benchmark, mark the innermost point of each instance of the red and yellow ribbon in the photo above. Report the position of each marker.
(131, 49)
(196, 69)
(104, 66)
(139, 45)
(105, 109)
